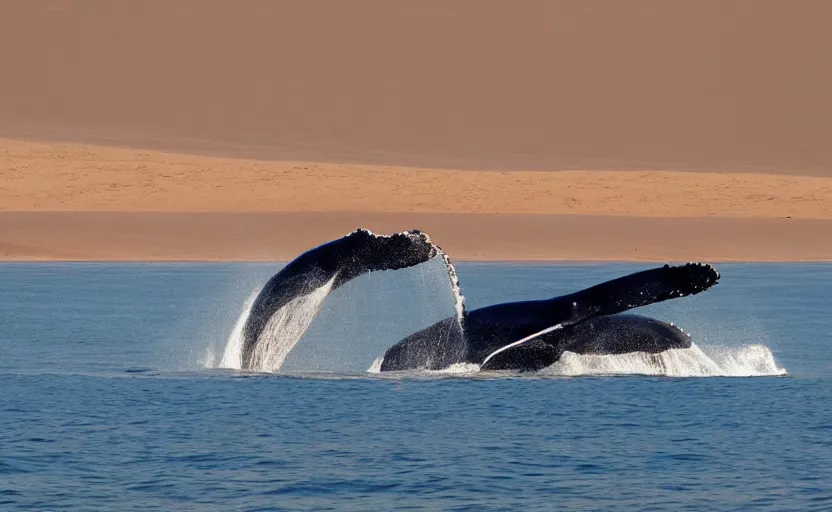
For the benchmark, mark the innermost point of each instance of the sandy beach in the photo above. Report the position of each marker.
(534, 130)
(81, 202)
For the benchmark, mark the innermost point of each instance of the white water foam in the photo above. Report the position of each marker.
(748, 361)
(457, 369)
(376, 366)
(454, 369)
(232, 356)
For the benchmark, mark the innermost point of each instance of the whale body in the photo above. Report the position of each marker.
(519, 336)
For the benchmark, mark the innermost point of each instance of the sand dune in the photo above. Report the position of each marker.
(506, 84)
(69, 177)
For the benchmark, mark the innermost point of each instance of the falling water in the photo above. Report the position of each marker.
(459, 298)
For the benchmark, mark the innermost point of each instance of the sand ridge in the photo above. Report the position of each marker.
(75, 177)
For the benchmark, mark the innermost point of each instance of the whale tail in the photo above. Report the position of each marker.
(327, 266)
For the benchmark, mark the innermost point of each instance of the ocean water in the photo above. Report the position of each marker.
(113, 397)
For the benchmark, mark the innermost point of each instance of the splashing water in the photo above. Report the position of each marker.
(376, 366)
(753, 360)
(232, 356)
(454, 369)
(459, 298)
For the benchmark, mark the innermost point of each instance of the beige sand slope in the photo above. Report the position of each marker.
(72, 177)
(68, 201)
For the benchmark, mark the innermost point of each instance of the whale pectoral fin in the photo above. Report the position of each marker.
(639, 289)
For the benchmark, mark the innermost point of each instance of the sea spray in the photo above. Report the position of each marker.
(754, 360)
(459, 298)
(232, 356)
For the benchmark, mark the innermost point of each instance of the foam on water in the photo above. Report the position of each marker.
(748, 361)
(454, 369)
(457, 369)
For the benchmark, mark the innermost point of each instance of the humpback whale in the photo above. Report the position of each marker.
(519, 336)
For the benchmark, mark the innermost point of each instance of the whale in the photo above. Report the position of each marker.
(515, 336)
(531, 335)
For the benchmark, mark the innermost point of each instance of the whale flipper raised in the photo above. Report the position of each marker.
(333, 264)
(610, 297)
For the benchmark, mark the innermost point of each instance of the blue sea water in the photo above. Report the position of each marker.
(111, 398)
